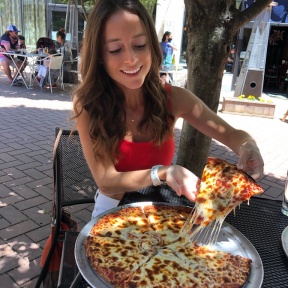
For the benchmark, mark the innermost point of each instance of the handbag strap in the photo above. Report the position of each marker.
(54, 175)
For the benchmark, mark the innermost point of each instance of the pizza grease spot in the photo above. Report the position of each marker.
(99, 260)
(201, 200)
(221, 208)
(226, 279)
(151, 273)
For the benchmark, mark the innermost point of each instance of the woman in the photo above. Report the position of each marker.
(65, 49)
(126, 118)
(167, 47)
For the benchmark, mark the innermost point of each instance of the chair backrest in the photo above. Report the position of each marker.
(73, 184)
(43, 42)
(56, 61)
(74, 181)
(74, 53)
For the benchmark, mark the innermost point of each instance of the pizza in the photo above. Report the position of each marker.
(223, 187)
(167, 220)
(115, 258)
(141, 247)
(126, 223)
(220, 268)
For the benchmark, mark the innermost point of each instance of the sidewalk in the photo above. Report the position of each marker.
(27, 122)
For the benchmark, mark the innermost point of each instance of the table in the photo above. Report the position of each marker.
(31, 61)
(261, 222)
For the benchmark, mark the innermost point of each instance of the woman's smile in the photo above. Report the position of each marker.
(132, 72)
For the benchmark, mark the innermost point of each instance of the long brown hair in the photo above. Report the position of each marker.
(103, 100)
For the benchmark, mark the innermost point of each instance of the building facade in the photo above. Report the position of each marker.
(42, 18)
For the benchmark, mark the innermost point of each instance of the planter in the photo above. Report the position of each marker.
(247, 107)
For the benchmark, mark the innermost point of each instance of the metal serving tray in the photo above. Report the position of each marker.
(230, 240)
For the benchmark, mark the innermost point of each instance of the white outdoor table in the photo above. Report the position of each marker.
(31, 59)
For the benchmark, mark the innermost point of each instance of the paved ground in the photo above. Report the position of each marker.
(27, 122)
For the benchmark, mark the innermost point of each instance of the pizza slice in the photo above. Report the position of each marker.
(220, 268)
(167, 220)
(115, 259)
(164, 269)
(127, 223)
(222, 188)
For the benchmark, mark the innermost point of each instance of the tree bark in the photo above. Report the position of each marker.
(211, 26)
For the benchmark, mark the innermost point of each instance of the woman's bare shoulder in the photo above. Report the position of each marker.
(183, 101)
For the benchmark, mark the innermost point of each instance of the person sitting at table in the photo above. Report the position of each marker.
(65, 49)
(21, 41)
(126, 118)
(9, 42)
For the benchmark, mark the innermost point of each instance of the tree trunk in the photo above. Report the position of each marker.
(211, 26)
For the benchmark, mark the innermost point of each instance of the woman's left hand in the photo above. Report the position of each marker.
(250, 159)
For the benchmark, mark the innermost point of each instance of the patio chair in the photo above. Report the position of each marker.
(54, 70)
(72, 73)
(73, 185)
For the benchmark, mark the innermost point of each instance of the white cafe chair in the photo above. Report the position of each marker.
(55, 68)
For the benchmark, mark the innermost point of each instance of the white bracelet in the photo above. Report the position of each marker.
(154, 175)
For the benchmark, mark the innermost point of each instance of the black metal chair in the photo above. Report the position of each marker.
(72, 75)
(43, 42)
(73, 185)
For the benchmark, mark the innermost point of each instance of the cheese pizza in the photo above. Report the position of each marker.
(154, 255)
(167, 220)
(115, 258)
(220, 268)
(223, 187)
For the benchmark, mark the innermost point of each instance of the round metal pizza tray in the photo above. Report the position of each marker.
(230, 240)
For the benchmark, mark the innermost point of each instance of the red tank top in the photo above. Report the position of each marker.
(144, 155)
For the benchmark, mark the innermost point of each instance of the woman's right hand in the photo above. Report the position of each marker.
(183, 181)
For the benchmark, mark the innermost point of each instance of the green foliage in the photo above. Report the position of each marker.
(88, 4)
(149, 5)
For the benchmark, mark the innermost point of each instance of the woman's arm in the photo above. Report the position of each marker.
(195, 112)
(173, 46)
(7, 46)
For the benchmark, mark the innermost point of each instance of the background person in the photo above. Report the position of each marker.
(167, 47)
(22, 44)
(21, 40)
(9, 42)
(65, 49)
(126, 118)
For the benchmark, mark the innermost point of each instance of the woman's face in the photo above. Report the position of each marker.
(59, 39)
(126, 51)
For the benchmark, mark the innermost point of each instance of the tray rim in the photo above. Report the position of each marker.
(284, 240)
(255, 278)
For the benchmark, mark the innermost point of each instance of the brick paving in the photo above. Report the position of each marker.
(27, 122)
